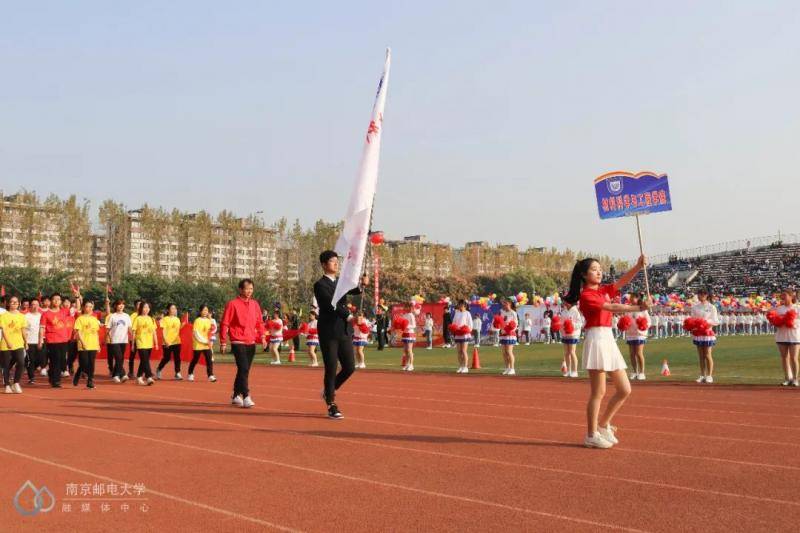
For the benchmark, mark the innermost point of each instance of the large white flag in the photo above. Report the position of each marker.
(352, 243)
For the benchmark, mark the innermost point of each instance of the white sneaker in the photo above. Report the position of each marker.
(275, 362)
(466, 370)
(410, 368)
(65, 374)
(150, 381)
(237, 400)
(140, 380)
(212, 378)
(608, 434)
(795, 383)
(460, 370)
(511, 372)
(429, 348)
(641, 377)
(158, 375)
(178, 377)
(248, 402)
(9, 390)
(709, 379)
(505, 372)
(787, 383)
(596, 441)
(190, 378)
(701, 379)
(43, 373)
(124, 378)
(565, 374)
(116, 379)
(632, 376)
(17, 388)
(573, 374)
(314, 365)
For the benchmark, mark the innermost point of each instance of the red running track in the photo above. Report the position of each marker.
(415, 452)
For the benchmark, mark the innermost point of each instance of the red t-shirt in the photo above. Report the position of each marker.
(57, 326)
(591, 306)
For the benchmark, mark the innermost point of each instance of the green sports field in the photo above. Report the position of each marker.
(738, 360)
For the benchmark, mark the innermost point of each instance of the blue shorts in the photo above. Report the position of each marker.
(409, 341)
(360, 343)
(787, 343)
(636, 342)
(275, 341)
(569, 341)
(312, 343)
(508, 342)
(704, 344)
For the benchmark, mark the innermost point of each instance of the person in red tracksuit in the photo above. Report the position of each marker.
(242, 322)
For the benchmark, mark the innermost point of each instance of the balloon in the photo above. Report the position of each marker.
(376, 238)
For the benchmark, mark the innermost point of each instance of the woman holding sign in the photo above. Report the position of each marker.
(601, 354)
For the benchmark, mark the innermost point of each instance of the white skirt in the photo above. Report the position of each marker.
(600, 351)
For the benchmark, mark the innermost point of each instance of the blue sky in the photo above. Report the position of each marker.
(499, 114)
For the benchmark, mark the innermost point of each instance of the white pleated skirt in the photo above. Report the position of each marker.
(600, 351)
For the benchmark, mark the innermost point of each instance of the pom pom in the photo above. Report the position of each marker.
(498, 322)
(775, 319)
(273, 325)
(569, 326)
(453, 329)
(690, 323)
(641, 323)
(400, 323)
(364, 328)
(465, 330)
(510, 328)
(624, 323)
(789, 318)
(312, 331)
(555, 325)
(303, 329)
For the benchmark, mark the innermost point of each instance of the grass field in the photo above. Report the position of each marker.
(738, 360)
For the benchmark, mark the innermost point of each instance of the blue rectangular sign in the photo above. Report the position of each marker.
(624, 194)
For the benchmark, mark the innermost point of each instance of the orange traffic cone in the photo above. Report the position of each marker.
(564, 367)
(476, 360)
(665, 368)
(291, 353)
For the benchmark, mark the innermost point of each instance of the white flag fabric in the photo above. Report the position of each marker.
(352, 243)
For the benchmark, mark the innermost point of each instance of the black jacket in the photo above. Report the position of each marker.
(331, 322)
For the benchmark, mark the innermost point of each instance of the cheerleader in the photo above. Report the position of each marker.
(508, 335)
(703, 317)
(12, 345)
(118, 334)
(461, 330)
(202, 330)
(275, 328)
(635, 331)
(87, 331)
(601, 354)
(571, 323)
(787, 334)
(409, 337)
(171, 331)
(146, 339)
(361, 328)
(312, 339)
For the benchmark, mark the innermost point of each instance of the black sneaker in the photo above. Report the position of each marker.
(31, 382)
(333, 412)
(90, 385)
(56, 385)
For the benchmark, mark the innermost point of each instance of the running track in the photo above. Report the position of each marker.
(415, 452)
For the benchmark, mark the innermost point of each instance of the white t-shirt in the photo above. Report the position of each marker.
(32, 329)
(460, 319)
(788, 334)
(411, 328)
(118, 325)
(528, 324)
(476, 323)
(428, 324)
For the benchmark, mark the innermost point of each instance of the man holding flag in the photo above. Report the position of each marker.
(334, 318)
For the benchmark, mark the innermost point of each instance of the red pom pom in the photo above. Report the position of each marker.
(453, 329)
(690, 323)
(789, 318)
(273, 325)
(303, 328)
(569, 326)
(498, 322)
(641, 323)
(400, 323)
(555, 325)
(510, 328)
(312, 331)
(624, 323)
(465, 330)
(364, 327)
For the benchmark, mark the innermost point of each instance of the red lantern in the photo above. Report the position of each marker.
(376, 238)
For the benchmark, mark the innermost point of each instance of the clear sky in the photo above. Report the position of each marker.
(499, 114)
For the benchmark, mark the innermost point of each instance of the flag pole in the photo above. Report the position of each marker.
(641, 252)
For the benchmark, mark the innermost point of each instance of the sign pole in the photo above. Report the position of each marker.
(641, 252)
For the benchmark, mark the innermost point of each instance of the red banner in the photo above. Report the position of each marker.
(437, 313)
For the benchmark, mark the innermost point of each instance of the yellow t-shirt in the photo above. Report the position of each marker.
(143, 328)
(13, 325)
(171, 327)
(89, 329)
(202, 326)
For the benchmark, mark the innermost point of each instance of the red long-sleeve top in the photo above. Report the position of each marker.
(242, 322)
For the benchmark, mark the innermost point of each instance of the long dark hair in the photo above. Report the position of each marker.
(576, 280)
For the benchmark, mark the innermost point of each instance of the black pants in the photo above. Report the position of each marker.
(72, 356)
(116, 358)
(18, 357)
(35, 359)
(144, 363)
(243, 354)
(381, 340)
(86, 360)
(336, 350)
(131, 358)
(56, 353)
(448, 339)
(173, 351)
(196, 359)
